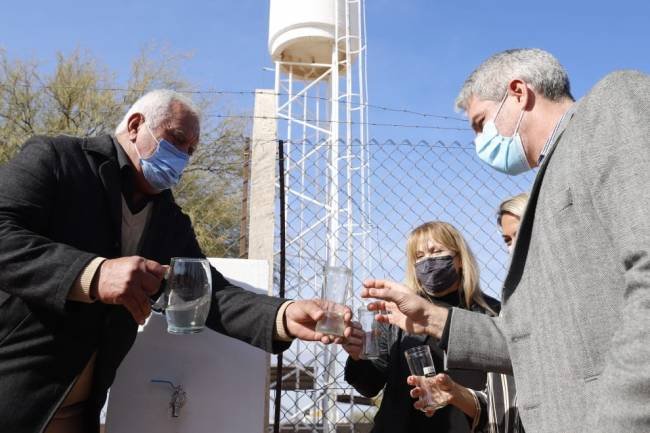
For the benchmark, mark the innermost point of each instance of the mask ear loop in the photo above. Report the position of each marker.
(521, 116)
(523, 149)
(503, 100)
(154, 139)
(135, 146)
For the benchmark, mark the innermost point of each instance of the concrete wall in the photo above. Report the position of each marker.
(261, 228)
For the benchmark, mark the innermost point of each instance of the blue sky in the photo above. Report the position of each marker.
(420, 51)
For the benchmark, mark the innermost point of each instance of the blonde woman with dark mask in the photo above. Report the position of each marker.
(493, 410)
(442, 269)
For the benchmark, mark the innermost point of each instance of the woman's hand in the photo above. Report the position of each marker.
(440, 388)
(443, 391)
(354, 343)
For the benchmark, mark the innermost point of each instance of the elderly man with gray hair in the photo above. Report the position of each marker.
(87, 226)
(575, 322)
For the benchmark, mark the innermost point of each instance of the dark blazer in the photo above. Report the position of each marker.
(60, 207)
(396, 413)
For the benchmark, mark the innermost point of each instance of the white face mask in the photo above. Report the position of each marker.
(505, 154)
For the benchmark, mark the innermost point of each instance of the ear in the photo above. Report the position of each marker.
(133, 124)
(523, 94)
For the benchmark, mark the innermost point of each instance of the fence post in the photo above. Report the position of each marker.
(243, 225)
(283, 263)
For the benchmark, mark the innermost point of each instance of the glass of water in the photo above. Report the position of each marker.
(337, 281)
(187, 295)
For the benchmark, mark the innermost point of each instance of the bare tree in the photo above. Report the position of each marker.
(82, 98)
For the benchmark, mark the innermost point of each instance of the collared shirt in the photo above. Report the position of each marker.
(122, 158)
(127, 174)
(560, 126)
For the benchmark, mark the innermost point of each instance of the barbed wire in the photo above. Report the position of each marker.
(329, 121)
(343, 122)
(327, 143)
(249, 93)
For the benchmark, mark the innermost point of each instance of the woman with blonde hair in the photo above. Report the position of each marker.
(509, 215)
(438, 245)
(494, 410)
(442, 269)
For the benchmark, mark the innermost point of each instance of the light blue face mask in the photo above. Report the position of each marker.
(164, 167)
(505, 154)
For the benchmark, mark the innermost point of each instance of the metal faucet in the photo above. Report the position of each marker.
(177, 399)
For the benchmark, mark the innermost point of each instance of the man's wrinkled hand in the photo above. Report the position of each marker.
(129, 281)
(301, 318)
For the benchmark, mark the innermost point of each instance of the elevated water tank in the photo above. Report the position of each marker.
(303, 31)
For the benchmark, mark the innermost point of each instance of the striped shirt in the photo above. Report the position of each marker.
(498, 406)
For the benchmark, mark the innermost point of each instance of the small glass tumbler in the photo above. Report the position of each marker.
(420, 364)
(337, 281)
(371, 332)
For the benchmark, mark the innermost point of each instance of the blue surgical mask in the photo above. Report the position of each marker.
(164, 167)
(505, 154)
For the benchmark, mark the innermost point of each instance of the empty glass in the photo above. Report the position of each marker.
(371, 331)
(337, 281)
(187, 295)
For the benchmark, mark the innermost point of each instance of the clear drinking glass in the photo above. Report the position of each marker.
(370, 333)
(420, 364)
(187, 296)
(337, 281)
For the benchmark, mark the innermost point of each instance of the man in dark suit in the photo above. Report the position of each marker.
(86, 227)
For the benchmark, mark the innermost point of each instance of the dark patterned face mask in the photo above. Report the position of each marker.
(436, 274)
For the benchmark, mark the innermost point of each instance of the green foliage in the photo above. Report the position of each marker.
(82, 98)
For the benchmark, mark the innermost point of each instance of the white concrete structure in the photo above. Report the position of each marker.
(224, 379)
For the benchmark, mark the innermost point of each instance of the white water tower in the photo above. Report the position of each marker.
(302, 33)
(319, 51)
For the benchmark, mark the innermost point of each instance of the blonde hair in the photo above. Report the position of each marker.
(450, 238)
(514, 205)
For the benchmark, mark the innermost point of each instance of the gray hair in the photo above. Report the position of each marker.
(538, 68)
(514, 205)
(155, 106)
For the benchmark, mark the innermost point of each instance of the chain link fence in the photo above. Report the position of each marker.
(355, 205)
